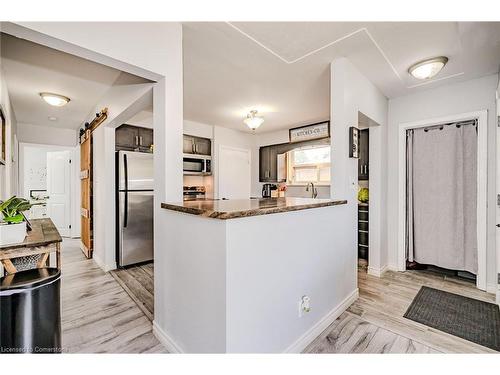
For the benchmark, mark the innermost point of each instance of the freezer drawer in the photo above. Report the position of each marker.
(135, 242)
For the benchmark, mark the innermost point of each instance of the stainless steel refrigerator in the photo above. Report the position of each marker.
(134, 207)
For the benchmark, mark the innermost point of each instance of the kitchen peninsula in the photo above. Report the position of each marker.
(253, 275)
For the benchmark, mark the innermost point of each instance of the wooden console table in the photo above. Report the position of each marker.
(43, 239)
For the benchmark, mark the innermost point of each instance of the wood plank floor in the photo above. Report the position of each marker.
(372, 324)
(375, 322)
(138, 282)
(98, 316)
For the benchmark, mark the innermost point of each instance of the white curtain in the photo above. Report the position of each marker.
(442, 197)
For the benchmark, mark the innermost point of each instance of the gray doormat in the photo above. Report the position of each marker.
(468, 318)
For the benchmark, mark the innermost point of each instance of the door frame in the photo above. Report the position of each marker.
(248, 151)
(482, 179)
(73, 185)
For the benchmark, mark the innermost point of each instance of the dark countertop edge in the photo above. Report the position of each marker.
(221, 215)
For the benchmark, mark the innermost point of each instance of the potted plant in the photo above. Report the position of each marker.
(13, 224)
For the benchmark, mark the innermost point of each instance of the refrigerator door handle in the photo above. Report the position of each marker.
(125, 174)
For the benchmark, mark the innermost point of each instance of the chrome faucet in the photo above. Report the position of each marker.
(314, 191)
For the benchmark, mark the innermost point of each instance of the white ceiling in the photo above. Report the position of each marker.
(282, 69)
(31, 68)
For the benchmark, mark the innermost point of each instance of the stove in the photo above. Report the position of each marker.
(191, 193)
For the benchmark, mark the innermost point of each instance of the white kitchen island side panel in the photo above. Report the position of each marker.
(190, 282)
(274, 260)
(234, 286)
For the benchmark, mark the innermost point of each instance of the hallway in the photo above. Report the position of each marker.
(98, 316)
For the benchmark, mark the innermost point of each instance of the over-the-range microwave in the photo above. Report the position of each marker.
(197, 164)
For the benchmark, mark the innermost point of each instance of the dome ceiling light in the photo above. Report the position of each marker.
(428, 68)
(253, 121)
(55, 99)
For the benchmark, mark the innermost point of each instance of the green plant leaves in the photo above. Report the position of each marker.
(13, 208)
(19, 218)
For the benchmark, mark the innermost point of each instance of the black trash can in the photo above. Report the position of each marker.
(30, 311)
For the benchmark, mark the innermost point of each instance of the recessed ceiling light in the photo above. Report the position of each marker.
(55, 99)
(52, 118)
(253, 121)
(428, 68)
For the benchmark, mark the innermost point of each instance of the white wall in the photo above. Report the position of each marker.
(198, 129)
(8, 172)
(154, 51)
(351, 93)
(498, 192)
(104, 222)
(29, 133)
(469, 96)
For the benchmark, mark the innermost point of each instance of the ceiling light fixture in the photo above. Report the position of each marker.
(52, 118)
(253, 121)
(428, 68)
(55, 99)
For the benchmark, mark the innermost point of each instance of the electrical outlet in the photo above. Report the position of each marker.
(304, 306)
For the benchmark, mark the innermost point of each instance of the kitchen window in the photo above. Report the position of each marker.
(309, 164)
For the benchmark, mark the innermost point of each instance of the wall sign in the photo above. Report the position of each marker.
(353, 142)
(309, 132)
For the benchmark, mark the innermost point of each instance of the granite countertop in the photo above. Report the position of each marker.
(236, 208)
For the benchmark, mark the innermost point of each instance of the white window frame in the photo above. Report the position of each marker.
(291, 168)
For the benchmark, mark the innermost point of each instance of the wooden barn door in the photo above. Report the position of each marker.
(86, 193)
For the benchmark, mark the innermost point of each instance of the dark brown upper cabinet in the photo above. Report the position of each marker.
(133, 138)
(364, 155)
(196, 145)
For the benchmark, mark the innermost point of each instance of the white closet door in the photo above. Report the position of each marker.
(58, 190)
(234, 173)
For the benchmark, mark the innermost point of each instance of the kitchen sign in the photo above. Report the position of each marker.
(310, 132)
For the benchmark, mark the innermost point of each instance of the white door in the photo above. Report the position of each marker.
(234, 173)
(58, 190)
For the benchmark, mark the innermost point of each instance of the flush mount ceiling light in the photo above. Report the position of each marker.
(428, 68)
(253, 121)
(54, 99)
(52, 118)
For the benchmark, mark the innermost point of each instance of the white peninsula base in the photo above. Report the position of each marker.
(235, 285)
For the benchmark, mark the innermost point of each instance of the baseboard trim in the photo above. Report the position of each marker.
(166, 340)
(378, 272)
(105, 267)
(392, 267)
(308, 337)
(491, 288)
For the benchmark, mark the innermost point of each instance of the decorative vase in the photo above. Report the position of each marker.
(12, 233)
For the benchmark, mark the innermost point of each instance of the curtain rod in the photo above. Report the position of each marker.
(458, 124)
